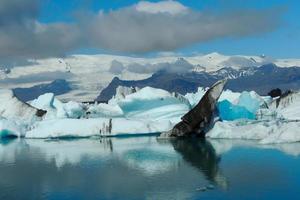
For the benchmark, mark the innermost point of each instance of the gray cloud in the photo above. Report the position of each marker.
(17, 11)
(116, 67)
(179, 66)
(23, 37)
(127, 29)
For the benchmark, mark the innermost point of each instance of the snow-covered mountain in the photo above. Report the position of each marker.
(260, 79)
(89, 74)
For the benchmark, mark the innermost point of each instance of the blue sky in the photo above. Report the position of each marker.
(250, 27)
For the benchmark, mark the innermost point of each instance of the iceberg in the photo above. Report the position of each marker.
(146, 99)
(13, 109)
(56, 109)
(104, 110)
(10, 128)
(246, 107)
(135, 111)
(288, 106)
(230, 112)
(146, 103)
(71, 128)
(266, 132)
(73, 109)
(249, 102)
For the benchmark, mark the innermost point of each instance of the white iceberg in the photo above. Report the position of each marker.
(56, 109)
(266, 132)
(10, 128)
(288, 107)
(13, 109)
(95, 127)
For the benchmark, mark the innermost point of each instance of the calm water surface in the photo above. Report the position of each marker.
(148, 168)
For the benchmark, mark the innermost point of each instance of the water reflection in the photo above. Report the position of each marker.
(202, 155)
(140, 168)
(109, 169)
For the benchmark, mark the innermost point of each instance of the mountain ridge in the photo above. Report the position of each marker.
(260, 79)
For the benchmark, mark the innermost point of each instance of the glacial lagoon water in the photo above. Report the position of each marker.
(148, 168)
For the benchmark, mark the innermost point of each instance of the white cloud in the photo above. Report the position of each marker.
(179, 66)
(170, 6)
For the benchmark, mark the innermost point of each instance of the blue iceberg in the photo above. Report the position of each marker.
(246, 108)
(230, 112)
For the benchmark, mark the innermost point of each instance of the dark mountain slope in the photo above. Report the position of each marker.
(57, 87)
(261, 79)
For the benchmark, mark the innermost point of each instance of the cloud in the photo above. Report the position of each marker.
(171, 7)
(37, 77)
(116, 67)
(140, 28)
(23, 37)
(17, 11)
(179, 66)
(129, 30)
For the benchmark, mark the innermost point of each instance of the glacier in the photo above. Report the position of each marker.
(134, 111)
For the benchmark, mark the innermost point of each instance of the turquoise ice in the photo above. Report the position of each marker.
(230, 112)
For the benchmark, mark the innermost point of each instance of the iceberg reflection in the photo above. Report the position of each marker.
(138, 168)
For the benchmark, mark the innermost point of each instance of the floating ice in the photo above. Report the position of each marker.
(151, 103)
(44, 101)
(73, 109)
(56, 109)
(13, 109)
(151, 110)
(10, 128)
(104, 110)
(246, 107)
(249, 102)
(288, 107)
(95, 127)
(229, 111)
(267, 132)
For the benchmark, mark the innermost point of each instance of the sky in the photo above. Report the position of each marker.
(34, 29)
